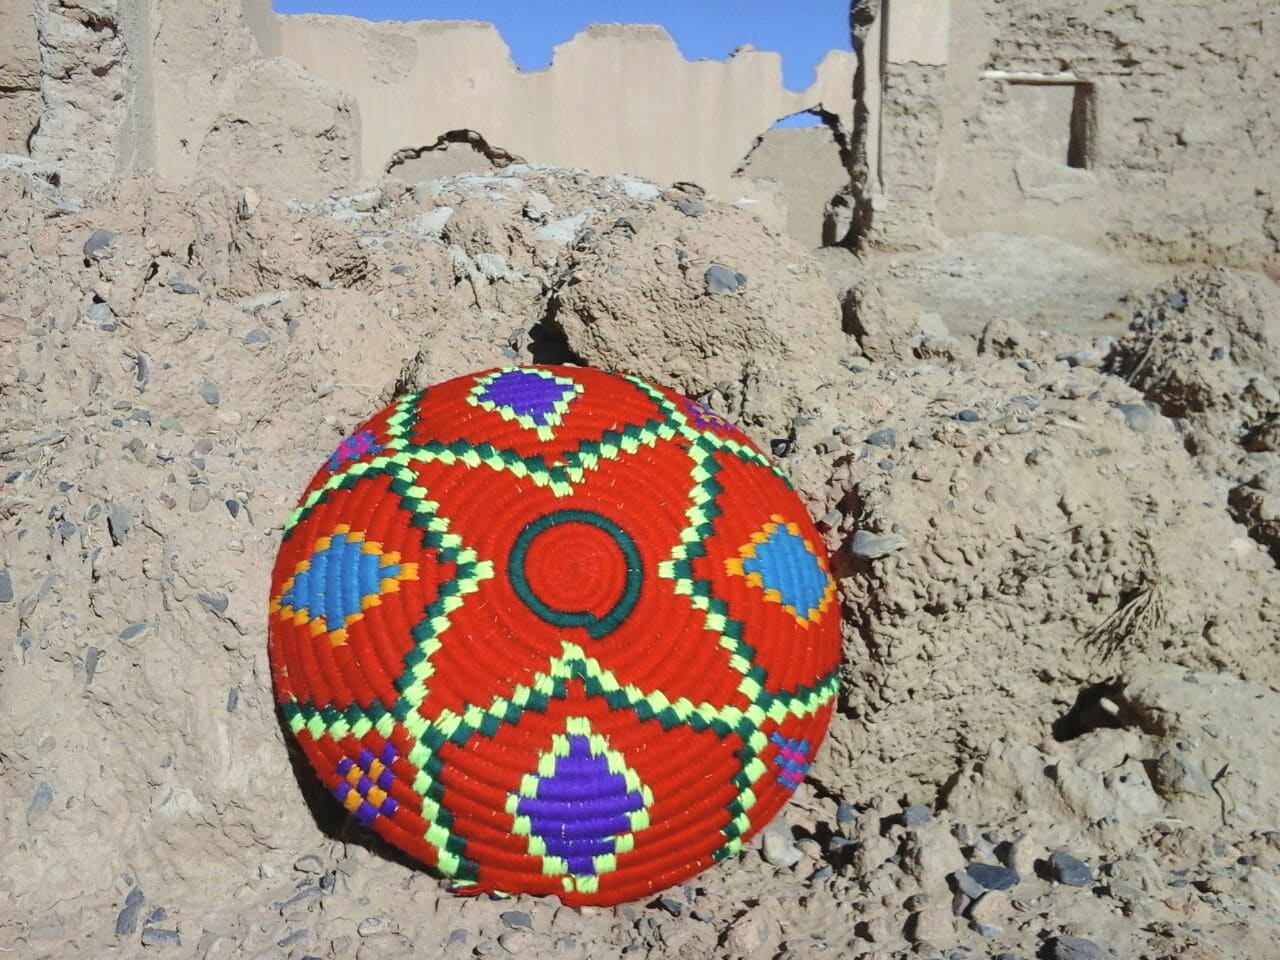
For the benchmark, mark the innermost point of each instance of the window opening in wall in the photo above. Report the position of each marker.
(1080, 145)
(1051, 114)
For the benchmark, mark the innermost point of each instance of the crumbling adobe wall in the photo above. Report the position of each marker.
(1181, 150)
(616, 98)
(99, 89)
(1106, 124)
(19, 77)
(805, 169)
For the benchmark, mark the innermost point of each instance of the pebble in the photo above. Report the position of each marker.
(968, 416)
(562, 231)
(98, 313)
(691, 208)
(1082, 358)
(233, 699)
(309, 864)
(292, 938)
(98, 241)
(199, 499)
(988, 930)
(256, 336)
(127, 918)
(156, 937)
(183, 288)
(1178, 301)
(217, 604)
(1174, 774)
(6, 587)
(1070, 870)
(210, 393)
(1138, 416)
(845, 813)
(992, 876)
(671, 905)
(91, 658)
(371, 926)
(131, 631)
(1076, 948)
(778, 848)
(888, 437)
(233, 508)
(517, 918)
(967, 886)
(872, 546)
(141, 370)
(538, 207)
(41, 799)
(119, 519)
(721, 279)
(457, 937)
(516, 942)
(916, 815)
(639, 190)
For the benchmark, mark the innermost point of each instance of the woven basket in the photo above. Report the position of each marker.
(554, 631)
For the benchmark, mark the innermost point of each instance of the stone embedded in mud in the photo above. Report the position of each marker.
(1140, 417)
(119, 519)
(210, 393)
(916, 815)
(98, 241)
(887, 437)
(871, 546)
(1076, 948)
(777, 847)
(992, 876)
(722, 279)
(1069, 870)
(127, 918)
(691, 208)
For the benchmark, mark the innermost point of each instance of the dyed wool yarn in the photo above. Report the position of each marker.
(554, 631)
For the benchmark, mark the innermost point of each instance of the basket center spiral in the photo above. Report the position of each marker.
(575, 568)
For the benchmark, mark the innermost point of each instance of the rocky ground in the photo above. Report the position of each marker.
(1056, 736)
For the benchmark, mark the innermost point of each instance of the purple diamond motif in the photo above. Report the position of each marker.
(581, 808)
(526, 394)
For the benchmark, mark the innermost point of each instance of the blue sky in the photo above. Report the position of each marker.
(801, 30)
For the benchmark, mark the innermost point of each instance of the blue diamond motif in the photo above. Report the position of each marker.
(338, 579)
(785, 564)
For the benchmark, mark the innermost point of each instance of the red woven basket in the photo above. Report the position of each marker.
(554, 631)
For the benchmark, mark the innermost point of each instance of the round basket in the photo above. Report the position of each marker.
(554, 631)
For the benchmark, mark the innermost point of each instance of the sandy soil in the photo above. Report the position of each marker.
(1056, 735)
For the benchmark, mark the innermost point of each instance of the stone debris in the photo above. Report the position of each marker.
(1069, 870)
